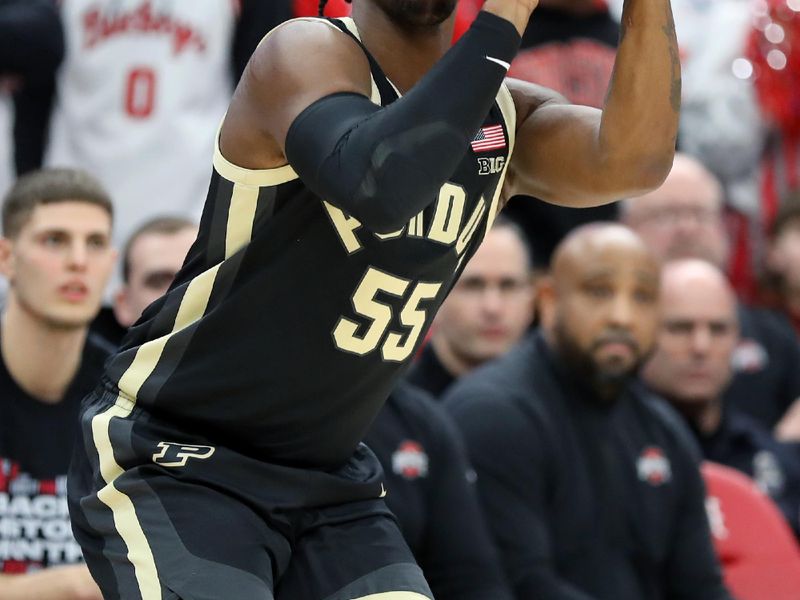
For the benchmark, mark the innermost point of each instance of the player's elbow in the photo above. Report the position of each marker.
(641, 173)
(653, 170)
(390, 192)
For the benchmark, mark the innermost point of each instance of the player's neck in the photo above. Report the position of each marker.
(404, 55)
(41, 359)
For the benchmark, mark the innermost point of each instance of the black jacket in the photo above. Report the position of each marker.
(585, 501)
(431, 490)
(744, 444)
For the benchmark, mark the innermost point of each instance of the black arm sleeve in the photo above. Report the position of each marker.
(255, 21)
(31, 38)
(384, 165)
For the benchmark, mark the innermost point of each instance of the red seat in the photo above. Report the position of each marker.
(759, 554)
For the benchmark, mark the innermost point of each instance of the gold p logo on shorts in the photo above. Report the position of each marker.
(176, 455)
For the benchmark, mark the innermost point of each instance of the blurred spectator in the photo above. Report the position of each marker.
(486, 313)
(590, 485)
(150, 260)
(142, 92)
(31, 48)
(152, 257)
(781, 281)
(568, 46)
(430, 489)
(691, 367)
(684, 219)
(57, 256)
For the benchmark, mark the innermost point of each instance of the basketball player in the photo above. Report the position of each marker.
(222, 454)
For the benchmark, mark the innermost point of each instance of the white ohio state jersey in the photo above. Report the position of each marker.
(142, 90)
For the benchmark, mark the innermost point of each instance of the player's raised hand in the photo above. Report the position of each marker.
(516, 11)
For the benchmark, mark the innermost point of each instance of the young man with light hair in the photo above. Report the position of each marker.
(56, 253)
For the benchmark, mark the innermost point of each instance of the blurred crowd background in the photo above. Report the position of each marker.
(122, 99)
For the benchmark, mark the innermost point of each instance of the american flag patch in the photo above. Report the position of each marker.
(489, 138)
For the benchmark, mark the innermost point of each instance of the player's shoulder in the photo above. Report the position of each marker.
(308, 53)
(306, 35)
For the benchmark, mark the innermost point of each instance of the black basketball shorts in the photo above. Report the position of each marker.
(164, 515)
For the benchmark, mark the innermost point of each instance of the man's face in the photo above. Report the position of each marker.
(60, 262)
(491, 306)
(682, 219)
(418, 13)
(698, 334)
(154, 260)
(601, 311)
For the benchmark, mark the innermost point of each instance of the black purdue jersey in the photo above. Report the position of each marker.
(290, 322)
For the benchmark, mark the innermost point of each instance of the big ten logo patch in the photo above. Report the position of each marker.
(491, 165)
(172, 454)
(410, 460)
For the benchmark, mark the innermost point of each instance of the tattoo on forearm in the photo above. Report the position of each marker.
(675, 61)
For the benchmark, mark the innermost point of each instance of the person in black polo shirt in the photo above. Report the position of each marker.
(430, 489)
(487, 312)
(590, 485)
(692, 367)
(56, 254)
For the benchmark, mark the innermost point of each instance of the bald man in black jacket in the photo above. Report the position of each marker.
(590, 486)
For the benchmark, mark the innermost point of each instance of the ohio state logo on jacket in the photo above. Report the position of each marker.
(410, 460)
(653, 466)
